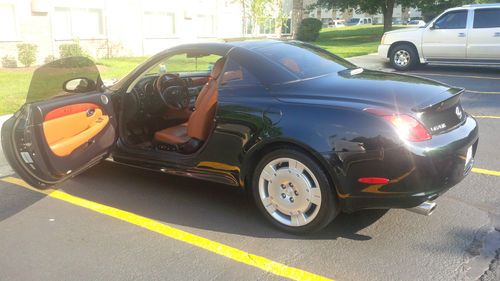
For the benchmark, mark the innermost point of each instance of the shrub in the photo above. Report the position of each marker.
(26, 53)
(309, 29)
(9, 62)
(49, 59)
(71, 50)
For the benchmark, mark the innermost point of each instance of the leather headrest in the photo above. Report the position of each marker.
(217, 68)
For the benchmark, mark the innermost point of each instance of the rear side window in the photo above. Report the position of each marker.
(236, 75)
(486, 18)
(452, 20)
(303, 60)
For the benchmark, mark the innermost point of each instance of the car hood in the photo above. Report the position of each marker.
(404, 30)
(366, 89)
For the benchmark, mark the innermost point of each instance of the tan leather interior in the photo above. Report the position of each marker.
(66, 133)
(232, 75)
(290, 64)
(201, 120)
(173, 135)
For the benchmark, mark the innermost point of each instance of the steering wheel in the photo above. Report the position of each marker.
(173, 91)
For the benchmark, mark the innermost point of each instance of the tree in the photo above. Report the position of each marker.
(432, 8)
(297, 14)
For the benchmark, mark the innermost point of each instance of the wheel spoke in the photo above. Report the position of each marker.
(297, 165)
(268, 173)
(298, 219)
(268, 204)
(315, 196)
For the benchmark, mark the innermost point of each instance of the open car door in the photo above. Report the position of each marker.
(66, 125)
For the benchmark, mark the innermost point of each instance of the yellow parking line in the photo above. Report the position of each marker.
(453, 75)
(180, 235)
(487, 117)
(486, 172)
(482, 92)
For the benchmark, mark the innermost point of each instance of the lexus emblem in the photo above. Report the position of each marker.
(458, 112)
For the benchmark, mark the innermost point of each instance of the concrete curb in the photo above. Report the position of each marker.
(371, 61)
(5, 169)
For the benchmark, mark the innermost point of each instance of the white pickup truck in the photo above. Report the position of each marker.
(467, 35)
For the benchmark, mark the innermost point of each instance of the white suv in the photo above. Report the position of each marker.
(463, 35)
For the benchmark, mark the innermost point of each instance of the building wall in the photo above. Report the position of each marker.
(114, 27)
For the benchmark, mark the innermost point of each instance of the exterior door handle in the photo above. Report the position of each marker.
(461, 34)
(496, 34)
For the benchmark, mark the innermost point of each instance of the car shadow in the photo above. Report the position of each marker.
(196, 204)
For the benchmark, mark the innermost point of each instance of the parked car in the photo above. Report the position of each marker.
(465, 35)
(336, 23)
(397, 21)
(418, 23)
(307, 133)
(358, 21)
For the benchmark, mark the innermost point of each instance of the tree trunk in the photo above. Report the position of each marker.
(297, 12)
(387, 10)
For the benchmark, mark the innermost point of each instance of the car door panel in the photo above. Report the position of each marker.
(69, 137)
(484, 41)
(446, 42)
(66, 133)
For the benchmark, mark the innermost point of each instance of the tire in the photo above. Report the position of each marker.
(291, 203)
(403, 57)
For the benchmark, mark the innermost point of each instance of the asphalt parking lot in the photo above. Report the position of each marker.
(119, 223)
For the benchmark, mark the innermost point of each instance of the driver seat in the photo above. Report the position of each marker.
(188, 137)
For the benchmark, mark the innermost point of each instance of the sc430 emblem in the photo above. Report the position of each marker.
(438, 127)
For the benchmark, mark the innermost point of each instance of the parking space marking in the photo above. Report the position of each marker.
(482, 92)
(180, 235)
(486, 172)
(454, 75)
(487, 117)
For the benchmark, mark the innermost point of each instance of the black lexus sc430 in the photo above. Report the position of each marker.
(306, 132)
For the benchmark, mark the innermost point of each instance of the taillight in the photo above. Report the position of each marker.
(407, 127)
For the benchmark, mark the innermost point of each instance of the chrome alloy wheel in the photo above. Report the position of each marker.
(289, 192)
(402, 58)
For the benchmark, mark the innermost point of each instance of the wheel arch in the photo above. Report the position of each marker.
(399, 43)
(256, 153)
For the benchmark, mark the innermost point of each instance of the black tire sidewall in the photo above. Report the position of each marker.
(329, 206)
(413, 57)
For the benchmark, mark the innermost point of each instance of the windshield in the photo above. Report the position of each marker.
(304, 60)
(48, 80)
(353, 20)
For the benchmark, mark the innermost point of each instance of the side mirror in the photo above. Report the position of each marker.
(434, 26)
(79, 85)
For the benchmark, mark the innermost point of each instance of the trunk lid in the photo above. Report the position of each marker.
(431, 102)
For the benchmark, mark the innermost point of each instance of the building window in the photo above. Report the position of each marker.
(206, 26)
(8, 27)
(71, 23)
(159, 24)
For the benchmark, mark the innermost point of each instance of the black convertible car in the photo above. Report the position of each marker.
(306, 132)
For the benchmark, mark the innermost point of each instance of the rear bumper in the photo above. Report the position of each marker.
(417, 171)
(383, 50)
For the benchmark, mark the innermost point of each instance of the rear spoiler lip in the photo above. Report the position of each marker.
(427, 105)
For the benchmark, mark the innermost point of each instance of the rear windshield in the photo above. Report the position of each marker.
(303, 60)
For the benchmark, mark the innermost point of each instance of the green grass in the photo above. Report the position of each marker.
(14, 83)
(351, 41)
(343, 41)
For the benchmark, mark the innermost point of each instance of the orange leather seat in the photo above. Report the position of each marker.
(200, 122)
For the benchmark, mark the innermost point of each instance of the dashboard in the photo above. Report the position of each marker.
(146, 101)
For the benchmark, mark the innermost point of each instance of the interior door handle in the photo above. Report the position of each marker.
(496, 34)
(461, 34)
